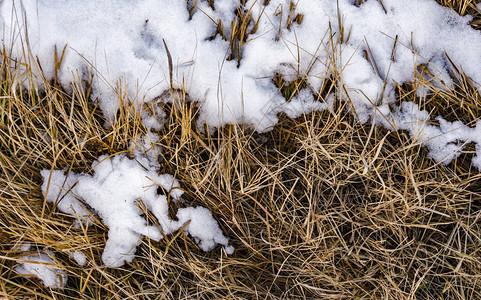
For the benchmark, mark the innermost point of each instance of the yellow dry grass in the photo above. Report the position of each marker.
(320, 207)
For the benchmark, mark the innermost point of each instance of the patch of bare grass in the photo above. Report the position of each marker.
(319, 207)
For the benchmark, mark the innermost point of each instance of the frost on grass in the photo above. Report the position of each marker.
(120, 192)
(42, 266)
(369, 46)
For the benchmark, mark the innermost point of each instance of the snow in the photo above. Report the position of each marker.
(43, 266)
(79, 257)
(444, 142)
(120, 191)
(203, 228)
(102, 38)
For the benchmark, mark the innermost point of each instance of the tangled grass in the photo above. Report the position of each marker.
(320, 207)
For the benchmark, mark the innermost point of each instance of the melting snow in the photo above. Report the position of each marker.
(118, 191)
(79, 257)
(43, 266)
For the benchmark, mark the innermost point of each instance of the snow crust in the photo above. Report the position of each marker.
(43, 266)
(120, 191)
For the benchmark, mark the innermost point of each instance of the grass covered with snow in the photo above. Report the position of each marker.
(240, 149)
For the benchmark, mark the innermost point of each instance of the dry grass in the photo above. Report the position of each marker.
(462, 7)
(320, 207)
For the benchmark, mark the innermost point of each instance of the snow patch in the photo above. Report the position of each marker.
(43, 266)
(119, 192)
(203, 228)
(79, 257)
(444, 142)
